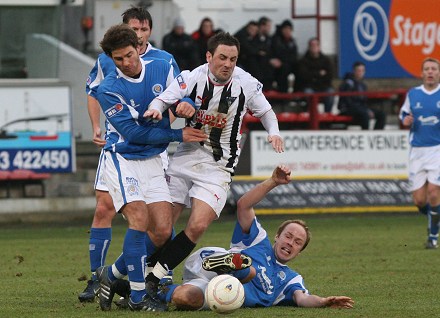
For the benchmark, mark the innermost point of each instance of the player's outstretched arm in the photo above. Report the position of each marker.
(245, 211)
(305, 300)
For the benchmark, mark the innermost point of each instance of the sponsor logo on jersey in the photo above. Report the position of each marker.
(212, 120)
(264, 280)
(157, 89)
(430, 120)
(113, 110)
(133, 104)
(181, 82)
(202, 100)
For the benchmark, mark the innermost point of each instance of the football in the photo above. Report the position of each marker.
(224, 294)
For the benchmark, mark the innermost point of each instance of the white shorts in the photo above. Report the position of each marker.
(424, 165)
(99, 178)
(194, 274)
(135, 180)
(193, 173)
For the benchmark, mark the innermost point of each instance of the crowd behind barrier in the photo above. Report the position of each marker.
(312, 118)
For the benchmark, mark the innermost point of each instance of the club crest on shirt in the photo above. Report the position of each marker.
(157, 89)
(181, 82)
(282, 275)
(113, 110)
(230, 100)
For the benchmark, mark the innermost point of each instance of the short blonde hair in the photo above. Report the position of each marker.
(430, 59)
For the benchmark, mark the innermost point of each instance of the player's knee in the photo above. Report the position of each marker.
(161, 235)
(195, 231)
(104, 211)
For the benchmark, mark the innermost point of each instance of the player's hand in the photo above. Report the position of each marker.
(277, 143)
(408, 120)
(97, 140)
(339, 302)
(193, 135)
(185, 110)
(281, 174)
(153, 114)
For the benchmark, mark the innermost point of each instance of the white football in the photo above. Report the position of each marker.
(224, 294)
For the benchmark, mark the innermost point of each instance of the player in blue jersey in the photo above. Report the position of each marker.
(268, 281)
(421, 112)
(140, 20)
(133, 167)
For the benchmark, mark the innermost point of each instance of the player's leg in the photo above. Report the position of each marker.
(124, 180)
(433, 216)
(100, 232)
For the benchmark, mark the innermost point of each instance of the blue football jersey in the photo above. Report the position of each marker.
(425, 107)
(274, 283)
(104, 65)
(124, 100)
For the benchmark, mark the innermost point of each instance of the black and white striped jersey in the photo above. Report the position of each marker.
(220, 108)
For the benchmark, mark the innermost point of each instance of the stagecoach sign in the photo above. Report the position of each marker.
(391, 37)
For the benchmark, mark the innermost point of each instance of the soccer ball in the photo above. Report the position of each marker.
(224, 294)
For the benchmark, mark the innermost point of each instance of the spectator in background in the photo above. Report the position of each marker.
(263, 64)
(181, 46)
(315, 73)
(285, 49)
(421, 113)
(201, 37)
(246, 36)
(356, 106)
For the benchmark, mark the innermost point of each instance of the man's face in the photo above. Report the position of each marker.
(359, 72)
(290, 242)
(223, 62)
(127, 60)
(143, 31)
(430, 74)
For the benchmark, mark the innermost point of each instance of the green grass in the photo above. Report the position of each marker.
(378, 260)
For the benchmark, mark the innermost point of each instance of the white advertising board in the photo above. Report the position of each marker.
(333, 153)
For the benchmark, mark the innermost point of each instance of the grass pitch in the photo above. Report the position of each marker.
(378, 260)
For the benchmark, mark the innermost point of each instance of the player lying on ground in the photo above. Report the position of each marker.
(269, 281)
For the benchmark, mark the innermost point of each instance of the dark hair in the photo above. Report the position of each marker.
(286, 23)
(252, 22)
(299, 222)
(222, 38)
(117, 37)
(358, 63)
(313, 39)
(203, 21)
(263, 20)
(138, 13)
